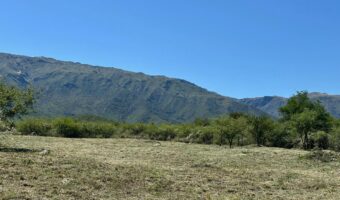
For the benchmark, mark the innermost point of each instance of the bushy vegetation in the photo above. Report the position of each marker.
(66, 127)
(304, 124)
(35, 126)
(14, 102)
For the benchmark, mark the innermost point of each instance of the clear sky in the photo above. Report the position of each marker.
(238, 48)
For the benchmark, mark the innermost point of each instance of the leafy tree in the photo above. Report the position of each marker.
(223, 130)
(299, 103)
(296, 104)
(306, 116)
(241, 128)
(14, 102)
(206, 134)
(336, 123)
(202, 122)
(282, 135)
(335, 139)
(320, 139)
(304, 124)
(260, 128)
(230, 129)
(237, 115)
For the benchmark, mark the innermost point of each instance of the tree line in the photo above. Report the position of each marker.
(303, 124)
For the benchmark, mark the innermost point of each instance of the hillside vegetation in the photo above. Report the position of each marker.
(143, 169)
(304, 124)
(72, 89)
(157, 167)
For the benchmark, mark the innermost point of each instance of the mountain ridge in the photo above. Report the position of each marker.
(271, 104)
(70, 88)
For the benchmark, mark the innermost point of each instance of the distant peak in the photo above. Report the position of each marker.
(317, 94)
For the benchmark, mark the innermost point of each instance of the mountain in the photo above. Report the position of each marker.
(268, 104)
(69, 89)
(271, 104)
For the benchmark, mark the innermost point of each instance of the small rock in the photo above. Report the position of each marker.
(44, 152)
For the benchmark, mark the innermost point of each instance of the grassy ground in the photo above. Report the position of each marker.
(140, 169)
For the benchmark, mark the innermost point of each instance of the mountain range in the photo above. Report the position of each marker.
(73, 89)
(271, 104)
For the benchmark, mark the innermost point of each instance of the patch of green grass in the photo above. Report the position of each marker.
(139, 169)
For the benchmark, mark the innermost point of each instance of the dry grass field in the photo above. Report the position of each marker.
(141, 169)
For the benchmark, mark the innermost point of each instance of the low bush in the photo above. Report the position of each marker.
(320, 140)
(232, 130)
(323, 156)
(206, 135)
(335, 139)
(97, 129)
(68, 127)
(3, 126)
(281, 136)
(40, 127)
(162, 133)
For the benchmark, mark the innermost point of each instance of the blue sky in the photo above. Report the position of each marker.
(242, 48)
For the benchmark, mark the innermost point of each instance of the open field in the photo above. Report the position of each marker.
(141, 169)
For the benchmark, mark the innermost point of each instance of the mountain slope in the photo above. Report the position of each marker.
(68, 88)
(272, 104)
(268, 104)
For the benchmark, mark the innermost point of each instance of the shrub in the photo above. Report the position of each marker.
(202, 122)
(3, 126)
(320, 140)
(105, 130)
(68, 127)
(97, 129)
(40, 127)
(136, 129)
(282, 136)
(162, 133)
(206, 135)
(335, 139)
(183, 131)
(260, 128)
(14, 102)
(323, 156)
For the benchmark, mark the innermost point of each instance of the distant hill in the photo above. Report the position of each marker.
(70, 89)
(271, 104)
(268, 104)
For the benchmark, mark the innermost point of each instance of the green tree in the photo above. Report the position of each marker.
(241, 128)
(335, 139)
(223, 130)
(231, 128)
(296, 104)
(260, 128)
(283, 135)
(202, 122)
(320, 139)
(304, 124)
(14, 102)
(336, 123)
(307, 116)
(299, 103)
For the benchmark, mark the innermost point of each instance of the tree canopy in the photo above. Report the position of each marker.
(306, 116)
(14, 102)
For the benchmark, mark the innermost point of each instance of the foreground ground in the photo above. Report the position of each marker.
(140, 169)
